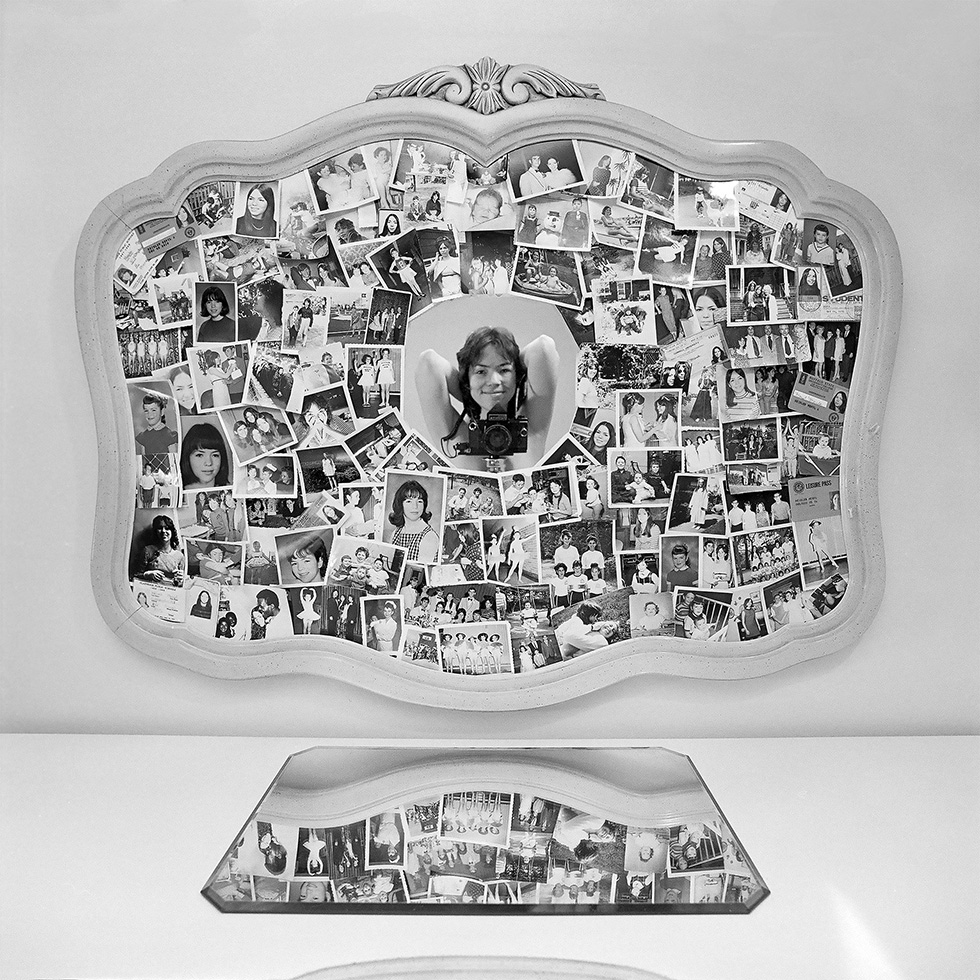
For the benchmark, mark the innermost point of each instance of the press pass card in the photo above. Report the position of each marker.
(818, 398)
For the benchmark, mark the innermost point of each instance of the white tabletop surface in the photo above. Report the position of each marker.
(869, 846)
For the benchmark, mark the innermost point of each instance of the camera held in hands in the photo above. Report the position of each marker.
(496, 435)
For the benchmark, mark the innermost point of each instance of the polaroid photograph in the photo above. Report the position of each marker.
(738, 393)
(423, 205)
(476, 817)
(701, 451)
(326, 468)
(305, 318)
(716, 569)
(216, 562)
(213, 514)
(306, 606)
(667, 253)
(414, 453)
(428, 161)
(359, 272)
(373, 445)
(324, 367)
(259, 563)
(202, 606)
(219, 374)
(761, 294)
(811, 447)
(615, 226)
(215, 313)
(751, 477)
(714, 251)
(695, 848)
(701, 614)
(342, 182)
(385, 843)
(787, 603)
(476, 648)
(592, 624)
(162, 601)
(486, 261)
(361, 507)
(421, 647)
(155, 421)
(238, 260)
(412, 513)
(641, 476)
(650, 188)
(210, 207)
(274, 380)
(651, 613)
(648, 419)
(513, 550)
(748, 619)
(697, 503)
(471, 495)
(823, 551)
(388, 316)
(755, 439)
(753, 242)
(545, 166)
(383, 621)
(400, 266)
(374, 379)
(701, 203)
(157, 481)
(326, 418)
(548, 275)
(483, 209)
(535, 647)
(370, 566)
(549, 493)
(763, 556)
(639, 570)
(256, 213)
(603, 262)
(461, 556)
(679, 561)
(248, 612)
(624, 312)
(759, 509)
(173, 300)
(254, 432)
(205, 457)
(606, 168)
(578, 559)
(646, 850)
(302, 556)
(827, 596)
(554, 221)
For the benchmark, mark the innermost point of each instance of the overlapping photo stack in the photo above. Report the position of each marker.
(488, 417)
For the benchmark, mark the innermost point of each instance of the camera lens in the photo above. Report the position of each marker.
(497, 439)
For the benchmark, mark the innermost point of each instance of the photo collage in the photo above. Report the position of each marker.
(486, 848)
(639, 435)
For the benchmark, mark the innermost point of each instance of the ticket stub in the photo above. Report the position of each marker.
(815, 497)
(818, 398)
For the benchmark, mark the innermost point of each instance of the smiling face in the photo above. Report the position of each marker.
(304, 567)
(493, 379)
(214, 306)
(257, 203)
(205, 464)
(152, 413)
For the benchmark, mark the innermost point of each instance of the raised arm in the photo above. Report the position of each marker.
(437, 382)
(540, 359)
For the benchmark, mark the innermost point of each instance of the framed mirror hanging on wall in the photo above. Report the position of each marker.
(488, 393)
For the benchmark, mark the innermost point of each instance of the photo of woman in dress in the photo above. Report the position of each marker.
(493, 374)
(443, 270)
(408, 521)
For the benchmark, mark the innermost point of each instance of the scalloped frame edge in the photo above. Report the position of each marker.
(490, 136)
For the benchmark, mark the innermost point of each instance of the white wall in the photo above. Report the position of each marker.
(882, 96)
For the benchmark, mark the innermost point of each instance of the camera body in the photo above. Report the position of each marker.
(497, 435)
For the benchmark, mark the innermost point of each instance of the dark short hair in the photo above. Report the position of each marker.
(588, 611)
(268, 596)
